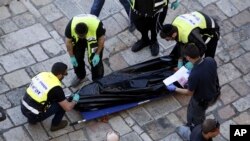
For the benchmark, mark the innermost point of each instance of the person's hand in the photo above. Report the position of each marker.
(73, 61)
(189, 66)
(175, 4)
(171, 87)
(76, 97)
(95, 60)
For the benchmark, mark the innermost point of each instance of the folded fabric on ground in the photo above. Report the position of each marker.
(133, 84)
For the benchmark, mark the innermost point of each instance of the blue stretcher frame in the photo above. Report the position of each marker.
(90, 115)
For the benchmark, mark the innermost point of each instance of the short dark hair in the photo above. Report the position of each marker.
(210, 125)
(167, 30)
(59, 68)
(191, 50)
(81, 28)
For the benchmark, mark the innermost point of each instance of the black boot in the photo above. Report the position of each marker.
(154, 48)
(139, 45)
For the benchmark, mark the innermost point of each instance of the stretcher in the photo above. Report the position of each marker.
(124, 89)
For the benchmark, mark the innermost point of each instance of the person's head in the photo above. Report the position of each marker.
(168, 32)
(59, 69)
(113, 136)
(210, 128)
(81, 30)
(191, 52)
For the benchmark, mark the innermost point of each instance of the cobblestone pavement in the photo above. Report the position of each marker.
(32, 39)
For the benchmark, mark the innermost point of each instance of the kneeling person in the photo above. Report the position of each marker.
(45, 97)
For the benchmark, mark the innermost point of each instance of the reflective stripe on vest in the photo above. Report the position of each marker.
(186, 23)
(92, 23)
(41, 84)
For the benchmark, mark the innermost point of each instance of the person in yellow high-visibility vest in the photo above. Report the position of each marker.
(83, 32)
(195, 27)
(45, 97)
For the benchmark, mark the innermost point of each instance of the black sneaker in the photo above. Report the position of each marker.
(131, 27)
(139, 45)
(61, 125)
(154, 48)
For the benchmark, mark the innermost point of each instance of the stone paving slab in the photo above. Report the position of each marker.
(77, 136)
(17, 78)
(4, 102)
(17, 133)
(24, 20)
(6, 124)
(37, 132)
(33, 34)
(16, 115)
(7, 25)
(162, 107)
(16, 60)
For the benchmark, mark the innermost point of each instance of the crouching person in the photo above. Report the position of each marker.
(45, 97)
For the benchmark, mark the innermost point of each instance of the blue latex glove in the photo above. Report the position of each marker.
(95, 60)
(180, 64)
(175, 4)
(76, 97)
(171, 87)
(73, 61)
(189, 66)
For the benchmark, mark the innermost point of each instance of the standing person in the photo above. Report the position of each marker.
(203, 85)
(85, 32)
(195, 27)
(206, 131)
(98, 4)
(149, 16)
(45, 97)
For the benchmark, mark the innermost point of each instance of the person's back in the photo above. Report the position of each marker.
(206, 75)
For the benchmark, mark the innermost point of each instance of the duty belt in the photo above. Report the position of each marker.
(144, 14)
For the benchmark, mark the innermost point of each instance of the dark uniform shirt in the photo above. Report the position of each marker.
(196, 134)
(56, 94)
(203, 79)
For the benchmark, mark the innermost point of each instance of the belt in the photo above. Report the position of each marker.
(33, 110)
(143, 14)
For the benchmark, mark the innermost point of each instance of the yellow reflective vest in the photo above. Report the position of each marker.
(41, 84)
(92, 23)
(186, 23)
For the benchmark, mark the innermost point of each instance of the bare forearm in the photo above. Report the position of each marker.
(69, 46)
(184, 91)
(100, 44)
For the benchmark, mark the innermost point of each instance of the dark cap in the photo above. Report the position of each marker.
(167, 30)
(210, 125)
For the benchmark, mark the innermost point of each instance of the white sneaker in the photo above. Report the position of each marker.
(184, 132)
